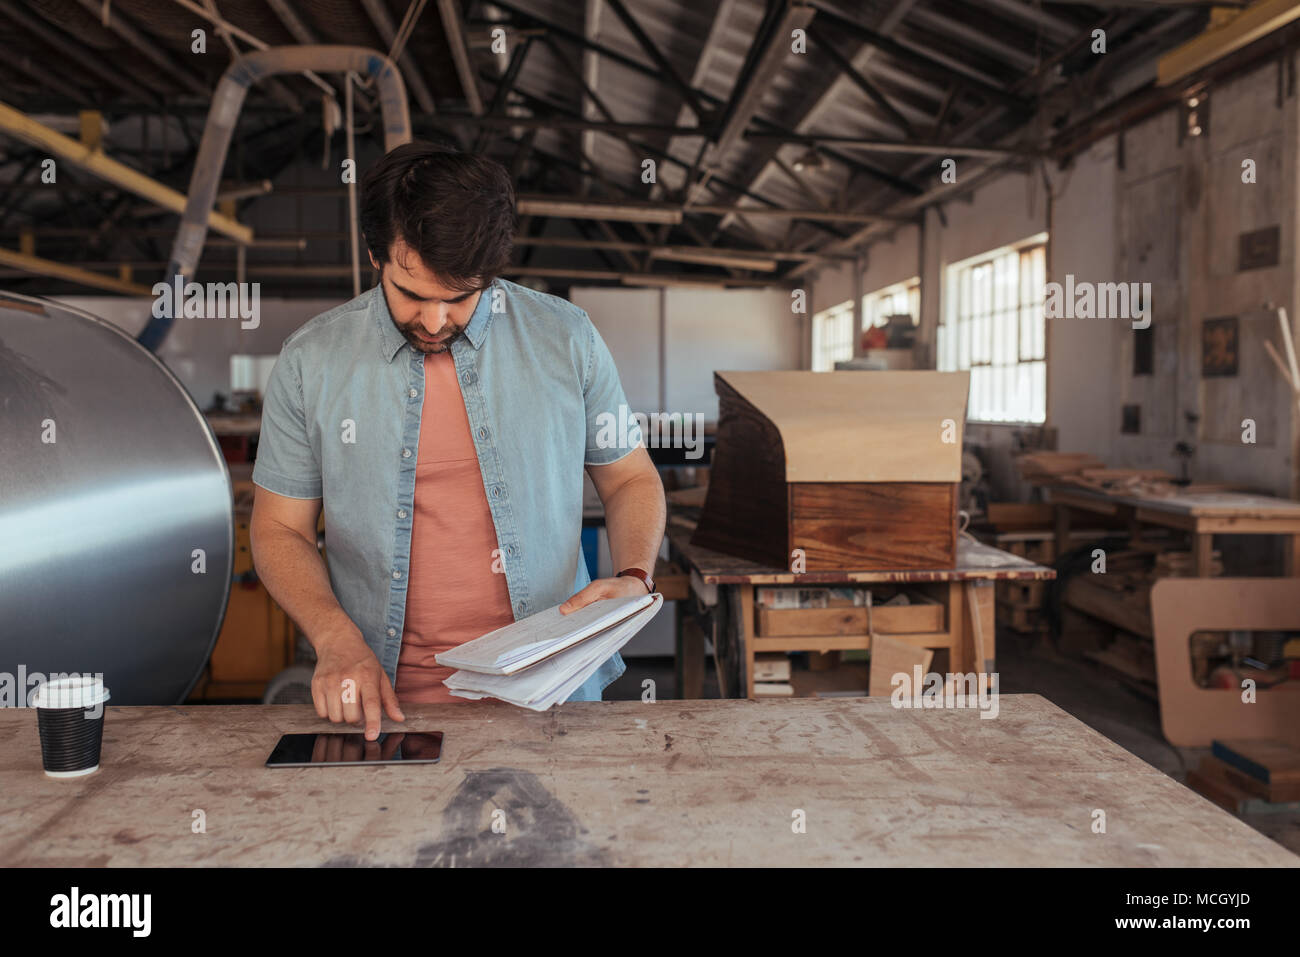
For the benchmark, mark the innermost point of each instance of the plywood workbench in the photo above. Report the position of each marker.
(1202, 515)
(620, 783)
(724, 586)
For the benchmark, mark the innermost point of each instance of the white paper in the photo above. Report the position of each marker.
(559, 676)
(525, 642)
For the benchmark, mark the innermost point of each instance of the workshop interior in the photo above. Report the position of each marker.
(959, 334)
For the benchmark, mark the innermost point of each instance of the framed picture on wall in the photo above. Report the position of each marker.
(1219, 346)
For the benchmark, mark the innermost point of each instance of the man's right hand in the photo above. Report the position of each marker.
(350, 685)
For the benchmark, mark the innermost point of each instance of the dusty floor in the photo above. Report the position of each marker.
(1080, 687)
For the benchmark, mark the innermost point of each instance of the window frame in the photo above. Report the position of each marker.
(987, 297)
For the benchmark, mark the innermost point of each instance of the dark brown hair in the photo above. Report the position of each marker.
(455, 210)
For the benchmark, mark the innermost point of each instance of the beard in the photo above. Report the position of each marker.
(414, 333)
(420, 341)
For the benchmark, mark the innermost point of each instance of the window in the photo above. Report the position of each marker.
(993, 325)
(832, 336)
(902, 298)
(251, 373)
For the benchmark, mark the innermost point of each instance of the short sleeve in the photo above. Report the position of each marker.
(612, 429)
(285, 462)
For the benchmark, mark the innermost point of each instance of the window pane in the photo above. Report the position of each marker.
(1038, 412)
(993, 325)
(1022, 407)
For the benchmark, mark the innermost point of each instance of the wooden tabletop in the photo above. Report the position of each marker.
(621, 783)
(1198, 504)
(975, 560)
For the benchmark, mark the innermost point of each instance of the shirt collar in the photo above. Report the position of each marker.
(391, 339)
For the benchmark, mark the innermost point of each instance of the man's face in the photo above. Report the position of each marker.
(427, 313)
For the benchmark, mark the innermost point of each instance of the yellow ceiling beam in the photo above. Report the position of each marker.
(21, 126)
(1227, 35)
(56, 270)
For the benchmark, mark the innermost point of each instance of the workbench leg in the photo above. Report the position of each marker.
(957, 617)
(1062, 530)
(1202, 554)
(679, 648)
(691, 660)
(1291, 556)
(980, 624)
(747, 634)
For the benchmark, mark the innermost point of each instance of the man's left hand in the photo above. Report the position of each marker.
(625, 587)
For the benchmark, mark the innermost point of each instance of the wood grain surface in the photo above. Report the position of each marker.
(887, 426)
(621, 783)
(747, 509)
(874, 525)
(975, 561)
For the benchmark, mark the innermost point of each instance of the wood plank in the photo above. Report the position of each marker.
(890, 657)
(975, 560)
(849, 427)
(923, 616)
(1291, 556)
(1202, 555)
(747, 507)
(671, 581)
(1221, 791)
(819, 643)
(746, 596)
(771, 666)
(691, 659)
(1017, 516)
(1270, 762)
(979, 644)
(679, 783)
(1192, 716)
(1127, 611)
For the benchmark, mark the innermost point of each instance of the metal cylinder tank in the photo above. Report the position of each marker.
(116, 526)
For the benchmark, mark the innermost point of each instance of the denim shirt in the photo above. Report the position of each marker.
(341, 422)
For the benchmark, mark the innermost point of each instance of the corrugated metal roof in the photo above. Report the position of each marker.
(972, 60)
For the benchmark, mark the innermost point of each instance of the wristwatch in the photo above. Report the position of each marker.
(641, 574)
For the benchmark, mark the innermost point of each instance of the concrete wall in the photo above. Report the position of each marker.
(1181, 211)
(1171, 216)
(1080, 392)
(702, 330)
(198, 351)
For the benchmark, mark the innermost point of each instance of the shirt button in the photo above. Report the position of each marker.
(396, 574)
(392, 632)
(467, 378)
(482, 433)
(401, 513)
(522, 607)
(406, 453)
(510, 549)
(413, 393)
(496, 491)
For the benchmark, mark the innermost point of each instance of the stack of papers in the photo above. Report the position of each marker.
(545, 658)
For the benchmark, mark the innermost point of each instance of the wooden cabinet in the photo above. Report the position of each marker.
(257, 637)
(821, 471)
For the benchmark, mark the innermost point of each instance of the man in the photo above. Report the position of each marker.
(442, 421)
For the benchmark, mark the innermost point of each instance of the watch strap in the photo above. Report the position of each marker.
(641, 574)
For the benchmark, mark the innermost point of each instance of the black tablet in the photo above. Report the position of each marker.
(351, 748)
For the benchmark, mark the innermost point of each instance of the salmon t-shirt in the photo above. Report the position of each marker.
(453, 595)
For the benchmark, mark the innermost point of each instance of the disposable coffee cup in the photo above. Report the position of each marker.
(70, 714)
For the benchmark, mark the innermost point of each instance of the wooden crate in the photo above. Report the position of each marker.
(854, 470)
(1022, 594)
(1018, 517)
(672, 581)
(1028, 621)
(924, 615)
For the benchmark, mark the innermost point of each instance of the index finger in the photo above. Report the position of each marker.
(372, 708)
(578, 600)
